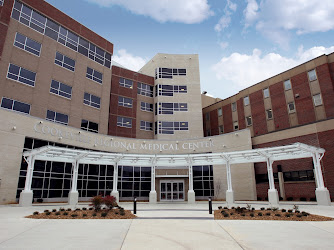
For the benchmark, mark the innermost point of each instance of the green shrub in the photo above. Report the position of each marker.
(259, 214)
(232, 207)
(220, 207)
(231, 213)
(77, 209)
(225, 207)
(268, 208)
(290, 210)
(90, 208)
(65, 213)
(275, 208)
(299, 215)
(62, 209)
(57, 213)
(94, 214)
(262, 208)
(251, 214)
(47, 213)
(84, 209)
(35, 213)
(278, 215)
(96, 202)
(104, 214)
(268, 214)
(226, 215)
(69, 209)
(253, 208)
(297, 211)
(74, 215)
(283, 210)
(54, 210)
(305, 213)
(243, 215)
(84, 215)
(287, 215)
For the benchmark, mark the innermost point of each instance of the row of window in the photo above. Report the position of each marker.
(302, 175)
(169, 73)
(168, 108)
(169, 90)
(169, 127)
(47, 27)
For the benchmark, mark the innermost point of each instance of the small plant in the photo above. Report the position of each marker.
(249, 207)
(295, 207)
(231, 213)
(104, 214)
(262, 208)
(251, 214)
(225, 207)
(278, 215)
(305, 213)
(94, 214)
(287, 215)
(290, 210)
(77, 209)
(283, 210)
(299, 215)
(46, 211)
(259, 214)
(35, 213)
(65, 213)
(269, 208)
(90, 208)
(116, 212)
(253, 208)
(74, 215)
(97, 202)
(57, 213)
(223, 212)
(226, 215)
(110, 201)
(268, 214)
(54, 210)
(62, 209)
(243, 215)
(232, 207)
(84, 215)
(302, 198)
(69, 209)
(220, 207)
(84, 208)
(275, 208)
(297, 211)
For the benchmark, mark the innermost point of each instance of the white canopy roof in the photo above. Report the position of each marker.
(288, 152)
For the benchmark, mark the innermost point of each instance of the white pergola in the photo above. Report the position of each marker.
(268, 155)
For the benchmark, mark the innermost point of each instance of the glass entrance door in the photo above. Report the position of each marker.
(172, 191)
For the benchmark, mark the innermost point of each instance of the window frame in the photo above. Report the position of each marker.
(89, 129)
(290, 84)
(312, 77)
(146, 126)
(145, 89)
(121, 122)
(92, 77)
(19, 75)
(314, 101)
(122, 102)
(89, 102)
(220, 112)
(249, 118)
(62, 63)
(124, 84)
(234, 106)
(25, 45)
(13, 105)
(146, 107)
(289, 110)
(246, 103)
(264, 91)
(58, 90)
(55, 116)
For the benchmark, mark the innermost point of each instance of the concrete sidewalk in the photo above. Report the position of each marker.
(163, 226)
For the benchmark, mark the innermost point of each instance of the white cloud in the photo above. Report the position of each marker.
(225, 20)
(185, 11)
(128, 60)
(245, 70)
(276, 19)
(223, 45)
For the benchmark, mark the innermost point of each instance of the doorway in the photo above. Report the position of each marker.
(172, 190)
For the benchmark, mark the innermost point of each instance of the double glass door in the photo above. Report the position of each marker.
(172, 191)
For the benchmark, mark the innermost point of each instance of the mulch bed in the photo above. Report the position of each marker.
(114, 213)
(244, 214)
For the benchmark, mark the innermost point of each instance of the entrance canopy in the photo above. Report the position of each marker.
(293, 151)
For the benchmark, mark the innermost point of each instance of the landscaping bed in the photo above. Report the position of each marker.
(248, 213)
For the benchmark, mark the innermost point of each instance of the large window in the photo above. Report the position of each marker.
(246, 100)
(94, 75)
(287, 84)
(235, 125)
(317, 100)
(1, 2)
(126, 83)
(92, 100)
(61, 89)
(21, 75)
(269, 113)
(47, 27)
(249, 121)
(145, 89)
(64, 61)
(291, 107)
(266, 92)
(134, 181)
(15, 105)
(304, 175)
(312, 75)
(144, 125)
(170, 90)
(124, 102)
(124, 122)
(57, 117)
(89, 126)
(169, 73)
(170, 127)
(203, 181)
(220, 112)
(234, 106)
(27, 44)
(145, 106)
(168, 108)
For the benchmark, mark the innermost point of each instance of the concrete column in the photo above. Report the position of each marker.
(281, 185)
(272, 192)
(27, 195)
(321, 192)
(114, 191)
(191, 193)
(229, 191)
(73, 196)
(153, 193)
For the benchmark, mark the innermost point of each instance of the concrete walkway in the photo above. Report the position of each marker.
(163, 226)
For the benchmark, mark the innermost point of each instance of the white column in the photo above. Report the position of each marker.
(272, 192)
(26, 195)
(321, 192)
(153, 193)
(73, 196)
(229, 191)
(191, 193)
(114, 191)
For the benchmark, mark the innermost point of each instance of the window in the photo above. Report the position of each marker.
(92, 100)
(317, 100)
(169, 73)
(207, 116)
(234, 106)
(89, 126)
(266, 92)
(291, 107)
(236, 125)
(220, 112)
(312, 75)
(21, 75)
(168, 108)
(145, 89)
(208, 132)
(249, 121)
(246, 100)
(148, 126)
(203, 181)
(170, 127)
(56, 117)
(303, 175)
(126, 83)
(46, 26)
(169, 90)
(125, 102)
(64, 61)
(124, 122)
(27, 44)
(144, 106)
(221, 129)
(1, 2)
(287, 84)
(261, 178)
(94, 75)
(15, 105)
(269, 114)
(61, 89)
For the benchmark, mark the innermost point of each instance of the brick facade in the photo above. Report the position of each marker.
(258, 113)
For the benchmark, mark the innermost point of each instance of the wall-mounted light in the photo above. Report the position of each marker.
(79, 132)
(60, 138)
(95, 145)
(40, 122)
(236, 134)
(14, 127)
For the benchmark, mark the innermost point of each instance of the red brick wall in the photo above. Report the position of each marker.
(331, 69)
(214, 122)
(5, 13)
(278, 102)
(241, 114)
(227, 118)
(304, 103)
(258, 113)
(326, 87)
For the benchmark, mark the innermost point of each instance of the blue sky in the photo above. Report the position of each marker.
(239, 42)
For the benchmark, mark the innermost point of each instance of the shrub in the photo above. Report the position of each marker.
(46, 211)
(74, 215)
(313, 199)
(262, 208)
(94, 214)
(283, 210)
(275, 208)
(220, 207)
(251, 214)
(289, 199)
(35, 213)
(259, 214)
(110, 201)
(232, 207)
(243, 215)
(299, 215)
(90, 208)
(96, 202)
(57, 213)
(249, 207)
(295, 207)
(302, 198)
(297, 211)
(54, 210)
(290, 210)
(225, 215)
(268, 214)
(225, 207)
(305, 213)
(287, 215)
(62, 209)
(122, 212)
(104, 214)
(65, 213)
(268, 208)
(77, 209)
(278, 215)
(84, 215)
(84, 209)
(69, 209)
(253, 208)
(231, 213)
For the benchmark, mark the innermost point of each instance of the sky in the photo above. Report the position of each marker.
(239, 42)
